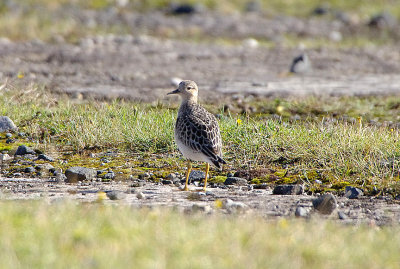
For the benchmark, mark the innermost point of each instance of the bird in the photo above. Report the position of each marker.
(301, 64)
(197, 133)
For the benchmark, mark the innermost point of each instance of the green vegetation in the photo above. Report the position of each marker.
(332, 140)
(38, 235)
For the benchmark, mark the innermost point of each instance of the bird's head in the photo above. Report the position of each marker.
(187, 89)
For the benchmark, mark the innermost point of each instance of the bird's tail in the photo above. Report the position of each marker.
(218, 161)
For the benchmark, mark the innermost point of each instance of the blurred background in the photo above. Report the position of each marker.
(138, 48)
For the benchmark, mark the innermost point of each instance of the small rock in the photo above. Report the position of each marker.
(320, 10)
(144, 176)
(342, 215)
(301, 64)
(167, 182)
(201, 208)
(352, 192)
(250, 43)
(17, 175)
(29, 169)
(8, 135)
(233, 207)
(382, 20)
(77, 173)
(288, 190)
(196, 175)
(262, 186)
(301, 212)
(44, 167)
(5, 157)
(235, 181)
(140, 195)
(185, 9)
(325, 204)
(23, 150)
(137, 184)
(9, 141)
(109, 175)
(45, 157)
(115, 195)
(6, 124)
(196, 196)
(21, 134)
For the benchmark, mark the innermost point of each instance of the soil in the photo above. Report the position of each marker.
(141, 67)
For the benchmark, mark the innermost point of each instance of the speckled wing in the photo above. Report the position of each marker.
(200, 132)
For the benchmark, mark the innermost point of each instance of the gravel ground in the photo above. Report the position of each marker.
(370, 210)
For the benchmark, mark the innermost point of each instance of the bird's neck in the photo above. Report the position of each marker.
(187, 103)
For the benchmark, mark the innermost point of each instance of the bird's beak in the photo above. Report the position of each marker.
(173, 92)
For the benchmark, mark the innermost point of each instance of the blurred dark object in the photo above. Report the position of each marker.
(185, 9)
(253, 6)
(383, 20)
(321, 10)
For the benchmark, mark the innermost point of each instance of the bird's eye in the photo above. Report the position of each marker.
(189, 88)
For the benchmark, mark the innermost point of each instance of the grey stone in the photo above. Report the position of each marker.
(235, 181)
(301, 212)
(6, 124)
(9, 141)
(167, 182)
(116, 195)
(29, 169)
(172, 177)
(23, 150)
(77, 173)
(352, 192)
(17, 175)
(5, 157)
(342, 215)
(144, 176)
(44, 167)
(196, 196)
(140, 195)
(137, 184)
(45, 157)
(325, 204)
(109, 175)
(201, 208)
(233, 206)
(196, 175)
(8, 135)
(288, 190)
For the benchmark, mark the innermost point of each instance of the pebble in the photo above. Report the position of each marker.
(250, 43)
(6, 124)
(5, 157)
(23, 150)
(342, 215)
(140, 195)
(17, 175)
(233, 207)
(288, 190)
(115, 195)
(144, 176)
(29, 169)
(352, 192)
(44, 167)
(201, 208)
(196, 196)
(9, 141)
(235, 181)
(109, 175)
(77, 173)
(301, 212)
(262, 186)
(8, 135)
(137, 184)
(167, 182)
(325, 204)
(45, 157)
(196, 175)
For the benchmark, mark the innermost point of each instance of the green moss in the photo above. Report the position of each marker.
(217, 179)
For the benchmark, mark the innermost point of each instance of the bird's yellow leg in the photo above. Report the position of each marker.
(205, 180)
(189, 168)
